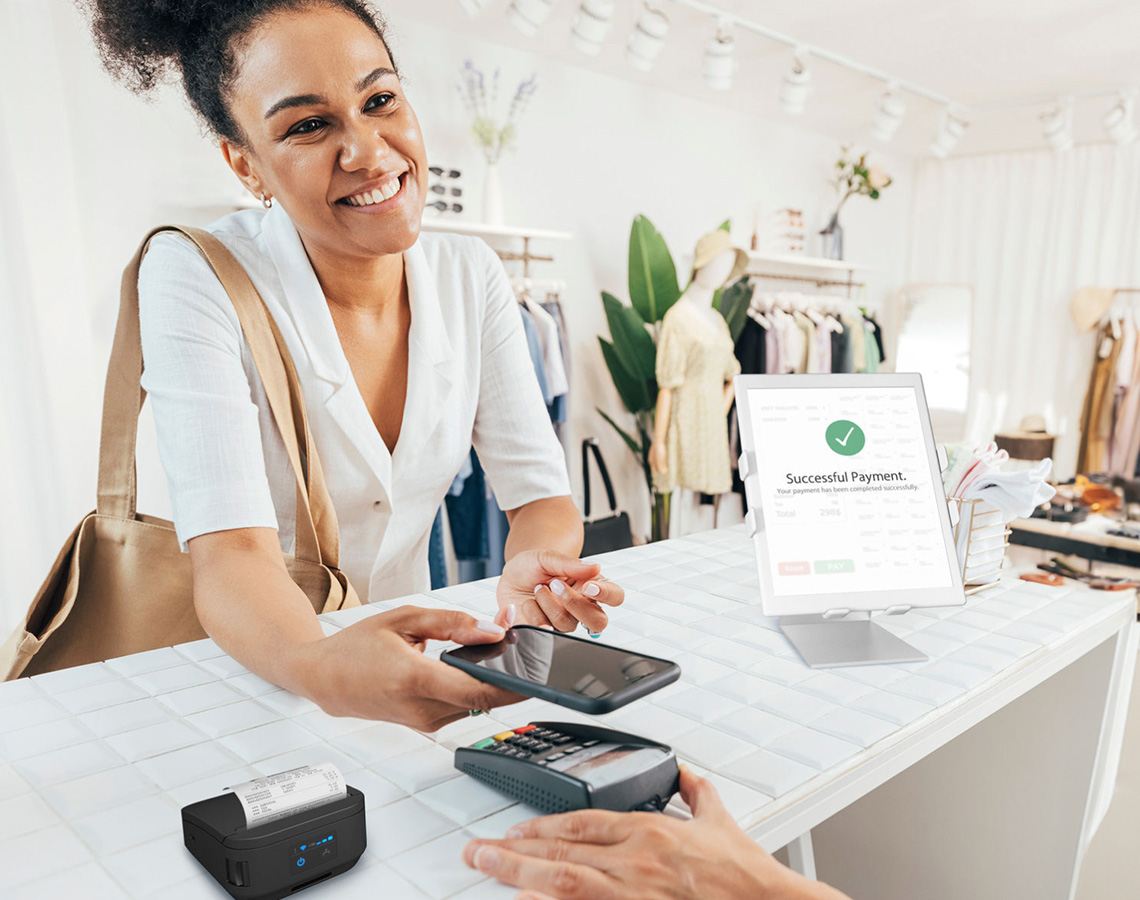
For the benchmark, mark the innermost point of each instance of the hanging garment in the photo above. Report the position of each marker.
(560, 405)
(534, 345)
(752, 348)
(858, 340)
(823, 345)
(810, 362)
(773, 360)
(1125, 444)
(878, 338)
(547, 330)
(1097, 412)
(870, 348)
(838, 347)
(437, 559)
(694, 360)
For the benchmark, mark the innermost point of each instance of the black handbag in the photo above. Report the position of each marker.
(613, 532)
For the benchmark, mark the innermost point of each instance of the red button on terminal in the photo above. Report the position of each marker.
(525, 729)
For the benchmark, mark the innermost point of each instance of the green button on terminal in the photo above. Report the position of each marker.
(483, 744)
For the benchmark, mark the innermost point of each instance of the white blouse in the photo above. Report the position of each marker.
(470, 382)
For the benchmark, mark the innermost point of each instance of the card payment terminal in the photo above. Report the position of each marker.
(559, 766)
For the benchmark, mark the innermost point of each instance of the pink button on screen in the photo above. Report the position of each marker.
(795, 568)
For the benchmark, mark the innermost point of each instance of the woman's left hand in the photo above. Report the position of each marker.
(550, 588)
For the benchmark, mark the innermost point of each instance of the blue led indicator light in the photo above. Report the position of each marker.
(303, 846)
(301, 861)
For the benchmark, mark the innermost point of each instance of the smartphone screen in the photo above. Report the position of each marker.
(564, 664)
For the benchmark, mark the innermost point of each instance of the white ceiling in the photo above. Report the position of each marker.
(997, 52)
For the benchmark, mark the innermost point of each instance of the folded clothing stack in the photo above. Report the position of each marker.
(989, 499)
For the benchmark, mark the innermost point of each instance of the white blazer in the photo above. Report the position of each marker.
(470, 382)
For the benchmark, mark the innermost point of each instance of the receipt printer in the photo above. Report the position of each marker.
(276, 858)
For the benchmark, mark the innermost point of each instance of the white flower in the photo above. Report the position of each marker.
(877, 178)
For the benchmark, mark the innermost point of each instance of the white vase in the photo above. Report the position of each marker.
(492, 196)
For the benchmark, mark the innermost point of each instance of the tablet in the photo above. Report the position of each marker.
(846, 505)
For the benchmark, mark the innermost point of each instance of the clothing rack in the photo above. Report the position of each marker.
(526, 257)
(849, 283)
(806, 270)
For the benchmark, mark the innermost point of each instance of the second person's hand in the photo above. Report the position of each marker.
(375, 669)
(550, 588)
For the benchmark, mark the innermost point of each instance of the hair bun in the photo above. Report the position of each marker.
(143, 41)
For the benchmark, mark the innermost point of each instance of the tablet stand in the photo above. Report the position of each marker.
(842, 638)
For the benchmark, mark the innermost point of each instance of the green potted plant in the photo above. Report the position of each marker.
(631, 351)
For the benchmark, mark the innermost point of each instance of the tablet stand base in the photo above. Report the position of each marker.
(823, 643)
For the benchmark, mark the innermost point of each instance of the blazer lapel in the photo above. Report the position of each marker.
(429, 355)
(309, 311)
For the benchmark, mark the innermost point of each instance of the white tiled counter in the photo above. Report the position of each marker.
(95, 762)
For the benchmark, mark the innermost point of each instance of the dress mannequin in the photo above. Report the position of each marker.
(695, 367)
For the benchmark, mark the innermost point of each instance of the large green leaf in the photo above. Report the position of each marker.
(632, 390)
(632, 342)
(629, 441)
(652, 273)
(734, 306)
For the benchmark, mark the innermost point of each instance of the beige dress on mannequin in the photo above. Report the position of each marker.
(695, 357)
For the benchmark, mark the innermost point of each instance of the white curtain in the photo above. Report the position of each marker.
(49, 415)
(1027, 229)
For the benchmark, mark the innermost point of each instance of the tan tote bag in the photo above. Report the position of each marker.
(121, 584)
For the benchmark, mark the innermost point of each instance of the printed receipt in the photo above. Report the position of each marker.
(276, 796)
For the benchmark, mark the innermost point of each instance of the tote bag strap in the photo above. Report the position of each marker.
(589, 445)
(317, 533)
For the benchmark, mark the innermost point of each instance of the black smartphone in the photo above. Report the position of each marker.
(574, 672)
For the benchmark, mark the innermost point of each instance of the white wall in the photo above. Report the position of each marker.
(593, 152)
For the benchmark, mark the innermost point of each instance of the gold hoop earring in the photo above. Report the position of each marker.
(267, 202)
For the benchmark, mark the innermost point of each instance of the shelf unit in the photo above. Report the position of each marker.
(490, 232)
(814, 270)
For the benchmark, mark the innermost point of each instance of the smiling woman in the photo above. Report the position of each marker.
(409, 349)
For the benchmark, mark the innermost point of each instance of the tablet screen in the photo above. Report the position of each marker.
(848, 495)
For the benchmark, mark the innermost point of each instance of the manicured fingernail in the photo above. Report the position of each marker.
(514, 833)
(490, 627)
(486, 859)
(591, 590)
(558, 587)
(594, 634)
(538, 587)
(512, 614)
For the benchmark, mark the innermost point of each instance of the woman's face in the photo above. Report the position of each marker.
(329, 133)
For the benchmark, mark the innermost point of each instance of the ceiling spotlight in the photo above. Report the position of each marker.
(528, 15)
(647, 39)
(889, 111)
(950, 130)
(719, 58)
(1119, 122)
(1057, 125)
(796, 83)
(474, 7)
(591, 25)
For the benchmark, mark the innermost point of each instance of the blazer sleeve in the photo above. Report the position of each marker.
(209, 438)
(513, 434)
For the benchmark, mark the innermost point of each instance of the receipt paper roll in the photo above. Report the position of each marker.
(276, 796)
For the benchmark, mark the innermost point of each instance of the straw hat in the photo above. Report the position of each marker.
(1089, 304)
(712, 245)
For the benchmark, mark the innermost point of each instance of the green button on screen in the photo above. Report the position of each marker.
(834, 566)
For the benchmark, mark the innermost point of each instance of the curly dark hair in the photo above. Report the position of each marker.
(141, 42)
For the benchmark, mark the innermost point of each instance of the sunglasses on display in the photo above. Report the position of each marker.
(443, 207)
(444, 173)
(440, 189)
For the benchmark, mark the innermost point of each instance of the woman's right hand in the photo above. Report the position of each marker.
(375, 669)
(658, 458)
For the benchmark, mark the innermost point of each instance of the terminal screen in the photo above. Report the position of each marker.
(848, 497)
